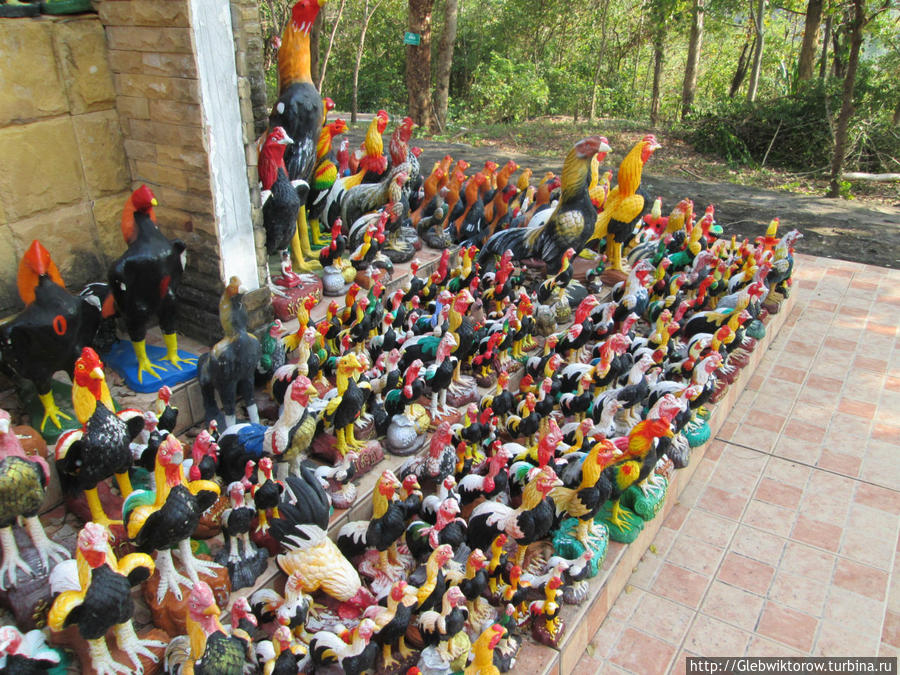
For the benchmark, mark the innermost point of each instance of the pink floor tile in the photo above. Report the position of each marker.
(769, 517)
(857, 408)
(732, 605)
(799, 592)
(890, 634)
(861, 579)
(854, 611)
(804, 432)
(642, 653)
(758, 544)
(806, 561)
(746, 573)
(709, 528)
(780, 494)
(722, 502)
(662, 618)
(837, 639)
(842, 463)
(695, 555)
(875, 551)
(680, 585)
(711, 637)
(760, 646)
(878, 497)
(788, 472)
(817, 533)
(788, 626)
(605, 638)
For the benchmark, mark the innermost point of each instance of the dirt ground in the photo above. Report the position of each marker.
(832, 228)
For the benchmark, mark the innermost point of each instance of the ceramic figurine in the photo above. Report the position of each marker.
(483, 658)
(281, 654)
(354, 654)
(228, 369)
(144, 281)
(391, 623)
(473, 585)
(244, 566)
(346, 406)
(164, 519)
(50, 333)
(492, 518)
(95, 596)
(208, 647)
(100, 449)
(23, 481)
(546, 625)
(440, 460)
(290, 610)
(405, 431)
(299, 111)
(322, 566)
(28, 653)
(338, 481)
(450, 645)
(281, 198)
(379, 534)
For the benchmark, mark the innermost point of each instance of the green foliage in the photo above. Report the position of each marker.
(506, 91)
(801, 125)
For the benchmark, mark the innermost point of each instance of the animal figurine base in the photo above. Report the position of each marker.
(243, 573)
(210, 521)
(121, 359)
(697, 432)
(70, 639)
(62, 394)
(407, 434)
(542, 634)
(286, 305)
(624, 535)
(401, 664)
(610, 277)
(333, 282)
(30, 599)
(459, 395)
(170, 614)
(719, 391)
(646, 506)
(325, 446)
(566, 545)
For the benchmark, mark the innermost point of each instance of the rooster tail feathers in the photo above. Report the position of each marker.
(136, 499)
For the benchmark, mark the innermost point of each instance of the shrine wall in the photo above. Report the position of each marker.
(97, 104)
(63, 170)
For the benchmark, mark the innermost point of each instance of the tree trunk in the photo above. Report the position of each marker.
(600, 53)
(359, 54)
(843, 123)
(445, 63)
(693, 59)
(418, 63)
(334, 28)
(741, 71)
(895, 120)
(823, 64)
(659, 57)
(758, 54)
(314, 35)
(810, 39)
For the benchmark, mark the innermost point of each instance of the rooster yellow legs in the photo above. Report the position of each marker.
(405, 652)
(124, 484)
(316, 236)
(143, 362)
(172, 352)
(302, 257)
(134, 647)
(51, 411)
(617, 518)
(97, 514)
(388, 656)
(613, 253)
(520, 554)
(102, 662)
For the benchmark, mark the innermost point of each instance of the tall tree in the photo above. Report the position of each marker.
(823, 63)
(758, 54)
(841, 132)
(445, 63)
(418, 62)
(601, 53)
(368, 11)
(810, 39)
(660, 13)
(693, 59)
(337, 22)
(314, 35)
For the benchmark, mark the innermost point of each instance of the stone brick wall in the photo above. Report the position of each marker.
(152, 56)
(93, 106)
(63, 172)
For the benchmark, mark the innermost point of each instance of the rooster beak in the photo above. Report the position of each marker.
(604, 147)
(153, 202)
(211, 610)
(669, 433)
(4, 426)
(97, 373)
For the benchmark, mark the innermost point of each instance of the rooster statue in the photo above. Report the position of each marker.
(23, 482)
(299, 112)
(95, 595)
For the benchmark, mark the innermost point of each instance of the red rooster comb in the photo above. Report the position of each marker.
(35, 263)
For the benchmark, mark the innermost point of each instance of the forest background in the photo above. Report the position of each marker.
(797, 94)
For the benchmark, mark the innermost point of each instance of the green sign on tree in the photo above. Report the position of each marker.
(411, 38)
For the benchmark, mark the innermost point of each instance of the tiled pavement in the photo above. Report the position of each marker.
(785, 541)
